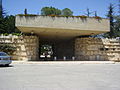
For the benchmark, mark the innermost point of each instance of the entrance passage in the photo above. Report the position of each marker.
(57, 50)
(46, 52)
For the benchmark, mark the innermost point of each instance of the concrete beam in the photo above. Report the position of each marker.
(62, 26)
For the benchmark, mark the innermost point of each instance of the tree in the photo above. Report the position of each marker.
(110, 15)
(7, 25)
(119, 7)
(50, 11)
(25, 11)
(10, 24)
(1, 9)
(96, 14)
(114, 22)
(117, 26)
(117, 22)
(2, 20)
(67, 12)
(88, 12)
(2, 25)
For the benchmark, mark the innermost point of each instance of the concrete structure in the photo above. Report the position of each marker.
(61, 27)
(61, 32)
(65, 35)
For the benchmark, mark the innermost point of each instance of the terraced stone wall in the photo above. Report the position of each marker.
(27, 47)
(96, 49)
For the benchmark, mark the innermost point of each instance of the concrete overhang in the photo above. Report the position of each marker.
(61, 27)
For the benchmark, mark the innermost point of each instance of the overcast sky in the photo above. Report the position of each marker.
(77, 6)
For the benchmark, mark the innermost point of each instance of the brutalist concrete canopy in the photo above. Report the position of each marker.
(61, 27)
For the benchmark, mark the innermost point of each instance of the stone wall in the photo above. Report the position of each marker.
(89, 49)
(112, 47)
(97, 49)
(27, 47)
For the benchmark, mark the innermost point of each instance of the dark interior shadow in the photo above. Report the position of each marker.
(3, 66)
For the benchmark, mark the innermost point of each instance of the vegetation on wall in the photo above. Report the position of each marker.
(7, 48)
(97, 17)
(26, 15)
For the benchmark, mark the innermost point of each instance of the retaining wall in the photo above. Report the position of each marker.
(89, 49)
(27, 47)
(96, 49)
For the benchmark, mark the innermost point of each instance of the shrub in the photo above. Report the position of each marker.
(5, 34)
(27, 15)
(7, 48)
(97, 17)
(82, 17)
(17, 34)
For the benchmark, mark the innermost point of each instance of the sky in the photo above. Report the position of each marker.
(78, 7)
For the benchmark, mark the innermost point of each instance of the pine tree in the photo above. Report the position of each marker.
(25, 11)
(110, 15)
(1, 9)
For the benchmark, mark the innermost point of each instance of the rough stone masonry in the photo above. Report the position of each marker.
(85, 49)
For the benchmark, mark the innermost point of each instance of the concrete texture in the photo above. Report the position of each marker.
(61, 27)
(63, 23)
(60, 77)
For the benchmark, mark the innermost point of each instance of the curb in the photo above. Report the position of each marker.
(63, 62)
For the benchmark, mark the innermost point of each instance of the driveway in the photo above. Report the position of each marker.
(41, 76)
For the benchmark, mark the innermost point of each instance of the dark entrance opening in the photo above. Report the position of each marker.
(46, 52)
(56, 50)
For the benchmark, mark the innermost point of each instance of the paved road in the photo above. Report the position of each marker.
(60, 77)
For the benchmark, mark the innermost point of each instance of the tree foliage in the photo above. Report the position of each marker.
(1, 9)
(114, 23)
(7, 23)
(50, 11)
(67, 12)
(110, 15)
(117, 26)
(25, 11)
